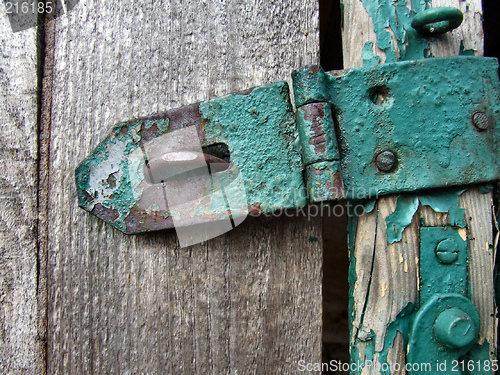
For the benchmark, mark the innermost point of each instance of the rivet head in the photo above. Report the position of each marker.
(385, 161)
(447, 251)
(480, 120)
(455, 329)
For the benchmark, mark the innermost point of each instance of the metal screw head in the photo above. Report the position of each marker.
(447, 251)
(454, 328)
(480, 120)
(385, 161)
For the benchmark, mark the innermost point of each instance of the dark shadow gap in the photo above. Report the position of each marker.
(330, 35)
(491, 28)
(335, 253)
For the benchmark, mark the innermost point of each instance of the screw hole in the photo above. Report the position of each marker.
(379, 95)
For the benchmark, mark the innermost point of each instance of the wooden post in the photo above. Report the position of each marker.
(246, 302)
(385, 276)
(22, 284)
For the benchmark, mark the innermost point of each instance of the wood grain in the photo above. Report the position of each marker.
(479, 217)
(21, 347)
(387, 274)
(246, 302)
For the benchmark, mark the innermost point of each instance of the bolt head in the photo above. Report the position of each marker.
(455, 329)
(447, 251)
(385, 161)
(480, 120)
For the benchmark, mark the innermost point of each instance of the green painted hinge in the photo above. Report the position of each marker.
(444, 334)
(356, 134)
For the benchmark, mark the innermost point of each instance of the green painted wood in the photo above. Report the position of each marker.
(384, 276)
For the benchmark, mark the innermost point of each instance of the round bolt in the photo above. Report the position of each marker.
(447, 251)
(480, 121)
(455, 329)
(385, 161)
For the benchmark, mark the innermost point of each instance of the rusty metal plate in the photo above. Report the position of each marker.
(214, 161)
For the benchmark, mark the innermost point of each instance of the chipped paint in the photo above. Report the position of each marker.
(369, 59)
(270, 163)
(407, 205)
(394, 34)
(463, 234)
(324, 181)
(446, 202)
(420, 111)
(111, 182)
(465, 52)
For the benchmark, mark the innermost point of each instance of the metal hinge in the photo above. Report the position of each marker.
(445, 329)
(401, 127)
(357, 134)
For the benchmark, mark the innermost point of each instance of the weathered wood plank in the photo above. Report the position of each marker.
(479, 216)
(385, 280)
(21, 346)
(245, 302)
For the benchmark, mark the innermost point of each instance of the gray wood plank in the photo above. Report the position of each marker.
(246, 302)
(21, 350)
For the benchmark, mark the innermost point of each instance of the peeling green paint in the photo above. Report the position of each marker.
(361, 363)
(465, 52)
(446, 201)
(367, 54)
(370, 205)
(392, 20)
(104, 176)
(406, 206)
(401, 324)
(313, 239)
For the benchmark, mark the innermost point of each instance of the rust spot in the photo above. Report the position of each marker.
(124, 129)
(104, 213)
(147, 134)
(338, 186)
(315, 114)
(88, 198)
(314, 69)
(255, 209)
(188, 115)
(182, 117)
(245, 92)
(138, 221)
(111, 181)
